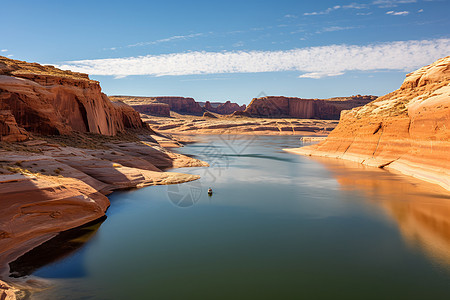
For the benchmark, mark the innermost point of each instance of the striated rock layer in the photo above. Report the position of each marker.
(407, 130)
(9, 130)
(325, 109)
(152, 105)
(52, 188)
(226, 108)
(46, 100)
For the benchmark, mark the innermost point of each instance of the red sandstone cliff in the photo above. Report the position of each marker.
(325, 109)
(161, 106)
(145, 105)
(9, 130)
(407, 130)
(46, 100)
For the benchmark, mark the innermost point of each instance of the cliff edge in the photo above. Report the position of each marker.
(407, 130)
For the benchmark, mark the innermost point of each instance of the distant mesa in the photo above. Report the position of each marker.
(291, 107)
(226, 108)
(161, 106)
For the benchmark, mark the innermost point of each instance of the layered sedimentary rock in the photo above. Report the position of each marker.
(9, 130)
(145, 105)
(325, 109)
(226, 108)
(407, 130)
(46, 100)
(129, 116)
(148, 105)
(234, 125)
(51, 188)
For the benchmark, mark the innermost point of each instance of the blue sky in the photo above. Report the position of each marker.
(231, 50)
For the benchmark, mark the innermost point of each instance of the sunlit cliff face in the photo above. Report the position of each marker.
(420, 210)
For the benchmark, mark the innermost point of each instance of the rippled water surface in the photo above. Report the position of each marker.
(278, 226)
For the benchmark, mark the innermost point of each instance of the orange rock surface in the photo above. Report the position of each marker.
(326, 109)
(9, 130)
(47, 100)
(152, 105)
(407, 130)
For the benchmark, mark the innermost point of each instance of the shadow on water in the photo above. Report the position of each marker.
(56, 249)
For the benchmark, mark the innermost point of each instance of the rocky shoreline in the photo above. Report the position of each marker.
(63, 187)
(406, 130)
(64, 146)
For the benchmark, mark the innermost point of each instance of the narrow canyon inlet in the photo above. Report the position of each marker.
(277, 226)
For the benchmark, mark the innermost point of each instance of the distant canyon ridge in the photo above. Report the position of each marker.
(264, 107)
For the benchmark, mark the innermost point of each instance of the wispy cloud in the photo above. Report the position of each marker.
(290, 16)
(4, 50)
(160, 41)
(336, 7)
(323, 12)
(391, 3)
(379, 3)
(169, 39)
(335, 28)
(397, 13)
(315, 62)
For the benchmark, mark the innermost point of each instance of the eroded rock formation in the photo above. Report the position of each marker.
(152, 105)
(46, 100)
(226, 108)
(325, 109)
(407, 130)
(9, 130)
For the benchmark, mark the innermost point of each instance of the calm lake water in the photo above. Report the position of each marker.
(278, 226)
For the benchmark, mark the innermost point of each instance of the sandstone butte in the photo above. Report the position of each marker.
(291, 107)
(407, 130)
(161, 106)
(63, 147)
(226, 108)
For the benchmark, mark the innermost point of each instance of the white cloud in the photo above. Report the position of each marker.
(169, 39)
(318, 75)
(10, 55)
(4, 50)
(397, 13)
(336, 7)
(391, 3)
(420, 10)
(316, 62)
(290, 16)
(324, 12)
(335, 28)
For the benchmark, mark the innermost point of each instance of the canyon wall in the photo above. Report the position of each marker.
(407, 130)
(325, 109)
(226, 108)
(46, 100)
(161, 106)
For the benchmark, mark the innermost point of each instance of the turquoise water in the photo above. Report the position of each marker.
(278, 226)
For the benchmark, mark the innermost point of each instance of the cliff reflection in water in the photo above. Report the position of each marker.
(56, 249)
(421, 210)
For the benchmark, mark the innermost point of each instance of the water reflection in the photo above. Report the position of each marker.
(56, 249)
(421, 210)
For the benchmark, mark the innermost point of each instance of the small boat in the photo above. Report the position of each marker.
(210, 191)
